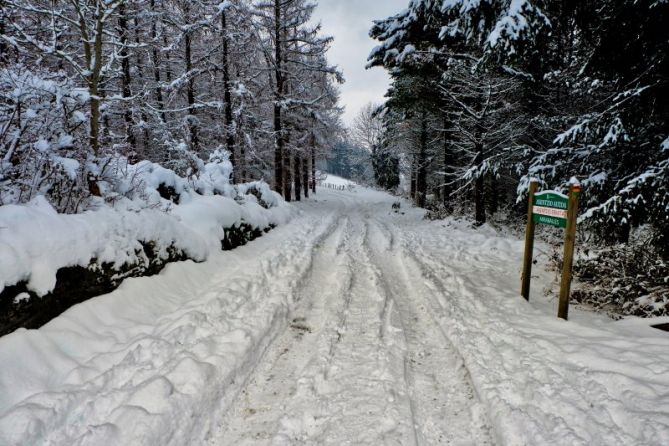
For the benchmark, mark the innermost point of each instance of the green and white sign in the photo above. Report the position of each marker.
(550, 208)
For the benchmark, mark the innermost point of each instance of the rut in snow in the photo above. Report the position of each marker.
(362, 360)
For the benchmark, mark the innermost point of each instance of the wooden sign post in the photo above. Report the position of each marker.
(529, 243)
(554, 209)
(568, 259)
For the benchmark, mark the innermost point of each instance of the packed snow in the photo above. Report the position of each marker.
(353, 324)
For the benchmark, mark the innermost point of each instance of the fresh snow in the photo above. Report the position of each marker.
(351, 325)
(36, 241)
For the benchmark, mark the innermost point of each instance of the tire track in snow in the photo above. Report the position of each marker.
(446, 408)
(255, 415)
(295, 258)
(357, 399)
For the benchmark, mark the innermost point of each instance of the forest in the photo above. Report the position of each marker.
(488, 95)
(89, 87)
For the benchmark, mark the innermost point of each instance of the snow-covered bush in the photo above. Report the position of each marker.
(140, 217)
(624, 279)
(42, 116)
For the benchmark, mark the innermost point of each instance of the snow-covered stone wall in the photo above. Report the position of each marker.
(146, 217)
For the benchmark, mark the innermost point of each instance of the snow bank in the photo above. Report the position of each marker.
(36, 241)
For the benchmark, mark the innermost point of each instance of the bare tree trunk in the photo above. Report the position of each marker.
(140, 74)
(93, 57)
(125, 78)
(242, 163)
(242, 146)
(229, 134)
(190, 92)
(479, 202)
(479, 184)
(313, 168)
(412, 189)
(421, 174)
(446, 188)
(94, 121)
(298, 177)
(4, 47)
(287, 176)
(479, 197)
(305, 176)
(156, 66)
(278, 74)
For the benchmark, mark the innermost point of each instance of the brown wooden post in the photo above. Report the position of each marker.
(529, 243)
(569, 240)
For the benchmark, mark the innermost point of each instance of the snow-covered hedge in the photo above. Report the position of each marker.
(625, 279)
(138, 204)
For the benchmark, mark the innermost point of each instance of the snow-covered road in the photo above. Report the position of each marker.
(351, 325)
(363, 361)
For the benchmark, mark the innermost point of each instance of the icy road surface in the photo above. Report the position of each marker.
(351, 325)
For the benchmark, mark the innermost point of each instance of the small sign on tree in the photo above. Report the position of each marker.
(559, 210)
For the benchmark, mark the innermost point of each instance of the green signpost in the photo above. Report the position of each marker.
(554, 209)
(550, 208)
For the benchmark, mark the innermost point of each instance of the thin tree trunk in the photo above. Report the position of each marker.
(298, 177)
(125, 78)
(229, 134)
(156, 66)
(446, 189)
(287, 176)
(479, 184)
(313, 168)
(412, 189)
(305, 176)
(421, 175)
(242, 163)
(479, 197)
(4, 47)
(140, 75)
(242, 146)
(94, 122)
(93, 57)
(278, 97)
(190, 92)
(479, 202)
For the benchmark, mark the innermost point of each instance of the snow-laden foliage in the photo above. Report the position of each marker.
(503, 30)
(627, 280)
(42, 116)
(487, 95)
(138, 204)
(521, 89)
(166, 81)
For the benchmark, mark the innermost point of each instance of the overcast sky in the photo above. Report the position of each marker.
(349, 22)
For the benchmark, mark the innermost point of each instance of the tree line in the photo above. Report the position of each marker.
(488, 94)
(171, 81)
